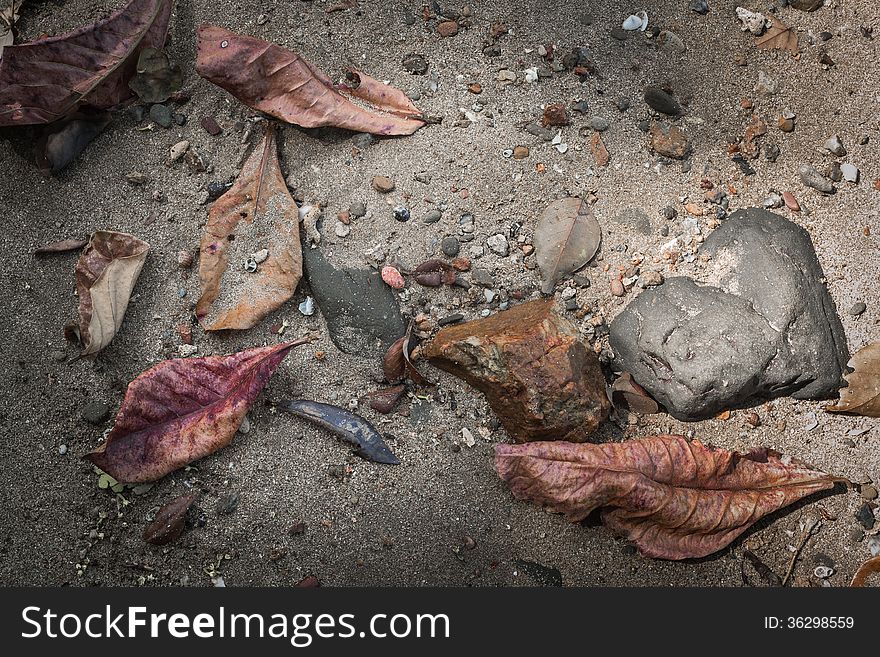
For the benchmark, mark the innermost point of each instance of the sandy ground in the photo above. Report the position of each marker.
(413, 524)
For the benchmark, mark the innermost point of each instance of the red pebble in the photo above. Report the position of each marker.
(393, 277)
(791, 202)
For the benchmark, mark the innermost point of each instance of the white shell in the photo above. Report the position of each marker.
(636, 22)
(260, 256)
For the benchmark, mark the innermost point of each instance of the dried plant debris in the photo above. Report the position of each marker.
(350, 427)
(862, 394)
(9, 11)
(397, 364)
(626, 393)
(61, 246)
(870, 567)
(567, 238)
(106, 273)
(49, 79)
(250, 257)
(274, 80)
(778, 36)
(184, 409)
(156, 77)
(672, 498)
(170, 520)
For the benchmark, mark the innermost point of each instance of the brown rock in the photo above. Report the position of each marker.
(668, 140)
(475, 88)
(383, 184)
(555, 114)
(520, 152)
(447, 28)
(541, 381)
(786, 125)
(600, 153)
(791, 202)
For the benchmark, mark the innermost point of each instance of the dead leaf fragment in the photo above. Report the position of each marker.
(778, 36)
(626, 393)
(9, 13)
(600, 153)
(170, 520)
(279, 82)
(256, 214)
(156, 78)
(434, 273)
(385, 400)
(566, 238)
(672, 498)
(184, 409)
(61, 246)
(47, 79)
(862, 394)
(397, 364)
(106, 273)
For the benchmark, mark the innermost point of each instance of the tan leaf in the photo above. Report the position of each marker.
(862, 394)
(256, 214)
(778, 36)
(106, 273)
(674, 499)
(61, 246)
(868, 568)
(626, 393)
(566, 238)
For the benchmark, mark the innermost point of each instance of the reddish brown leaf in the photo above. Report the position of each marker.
(47, 79)
(308, 582)
(862, 394)
(106, 273)
(434, 273)
(625, 392)
(394, 365)
(170, 520)
(61, 246)
(867, 569)
(672, 498)
(779, 36)
(184, 409)
(600, 153)
(385, 400)
(256, 214)
(279, 82)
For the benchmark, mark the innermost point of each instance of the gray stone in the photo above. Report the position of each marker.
(363, 140)
(482, 277)
(858, 308)
(161, 115)
(634, 218)
(433, 216)
(357, 209)
(600, 123)
(835, 146)
(498, 244)
(661, 101)
(361, 311)
(812, 178)
(765, 326)
(450, 246)
(850, 172)
(95, 412)
(806, 5)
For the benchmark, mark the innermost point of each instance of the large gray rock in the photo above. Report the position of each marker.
(763, 326)
(362, 314)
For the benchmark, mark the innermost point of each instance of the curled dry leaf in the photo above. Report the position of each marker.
(778, 36)
(170, 520)
(61, 246)
(184, 409)
(672, 498)
(308, 582)
(386, 400)
(46, 80)
(397, 364)
(156, 78)
(62, 141)
(626, 393)
(350, 427)
(279, 82)
(867, 569)
(257, 213)
(106, 273)
(862, 394)
(434, 273)
(9, 10)
(566, 238)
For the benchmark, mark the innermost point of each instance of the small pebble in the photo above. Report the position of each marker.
(227, 503)
(392, 277)
(812, 178)
(599, 123)
(850, 172)
(415, 64)
(835, 146)
(177, 151)
(357, 209)
(659, 100)
(617, 288)
(382, 184)
(211, 126)
(433, 216)
(341, 229)
(62, 450)
(95, 412)
(858, 308)
(450, 319)
(450, 246)
(307, 307)
(791, 202)
(868, 492)
(520, 152)
(499, 245)
(161, 115)
(401, 213)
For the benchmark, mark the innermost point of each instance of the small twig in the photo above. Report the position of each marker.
(806, 536)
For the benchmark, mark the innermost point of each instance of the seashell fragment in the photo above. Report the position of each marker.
(636, 22)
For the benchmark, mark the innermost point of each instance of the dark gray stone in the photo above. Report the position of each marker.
(361, 311)
(450, 246)
(766, 328)
(634, 218)
(95, 412)
(661, 101)
(161, 115)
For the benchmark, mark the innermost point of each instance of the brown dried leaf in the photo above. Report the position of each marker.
(385, 400)
(184, 409)
(170, 520)
(566, 238)
(256, 213)
(61, 246)
(600, 153)
(279, 82)
(626, 393)
(755, 129)
(867, 569)
(672, 498)
(397, 364)
(106, 273)
(862, 394)
(434, 273)
(47, 79)
(9, 13)
(778, 36)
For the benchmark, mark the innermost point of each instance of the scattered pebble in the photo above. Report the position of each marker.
(415, 64)
(161, 115)
(62, 450)
(185, 259)
(177, 151)
(433, 216)
(357, 209)
(447, 28)
(812, 178)
(498, 244)
(401, 213)
(307, 307)
(868, 492)
(835, 146)
(211, 126)
(392, 277)
(341, 229)
(600, 124)
(520, 152)
(95, 412)
(659, 100)
(857, 308)
(850, 172)
(450, 246)
(700, 6)
(382, 184)
(791, 202)
(617, 288)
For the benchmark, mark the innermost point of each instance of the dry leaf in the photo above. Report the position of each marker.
(279, 82)
(672, 498)
(566, 238)
(626, 393)
(184, 409)
(170, 520)
(778, 36)
(61, 246)
(385, 400)
(755, 129)
(434, 273)
(867, 569)
(156, 77)
(600, 153)
(257, 213)
(106, 273)
(9, 11)
(46, 80)
(397, 364)
(862, 394)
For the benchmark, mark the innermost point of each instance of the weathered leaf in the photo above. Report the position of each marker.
(62, 141)
(45, 80)
(566, 238)
(672, 498)
(397, 364)
(170, 520)
(276, 81)
(626, 393)
(862, 394)
(867, 569)
(257, 213)
(778, 36)
(350, 427)
(106, 273)
(385, 400)
(308, 582)
(183, 409)
(434, 273)
(9, 11)
(61, 246)
(156, 78)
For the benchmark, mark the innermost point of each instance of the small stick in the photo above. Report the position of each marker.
(806, 536)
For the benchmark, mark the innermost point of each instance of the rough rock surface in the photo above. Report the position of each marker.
(541, 381)
(361, 311)
(766, 327)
